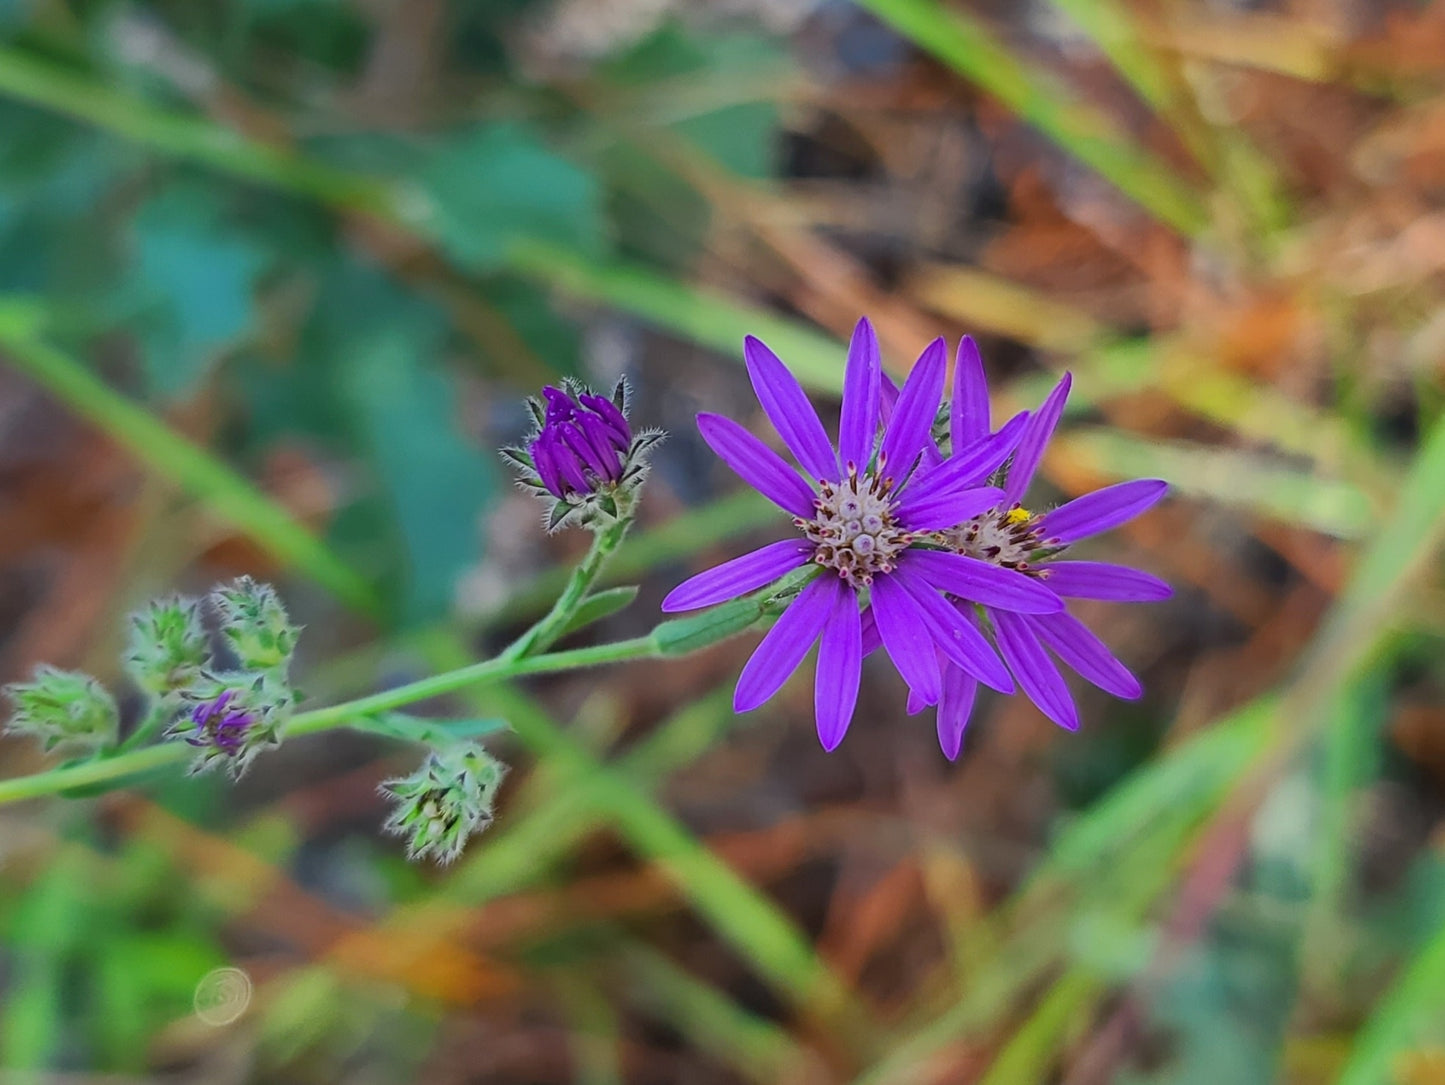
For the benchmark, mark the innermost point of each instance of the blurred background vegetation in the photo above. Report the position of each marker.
(274, 277)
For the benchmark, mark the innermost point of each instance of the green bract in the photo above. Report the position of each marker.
(445, 802)
(63, 708)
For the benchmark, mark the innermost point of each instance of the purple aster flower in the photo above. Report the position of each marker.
(583, 456)
(1008, 535)
(864, 511)
(233, 717)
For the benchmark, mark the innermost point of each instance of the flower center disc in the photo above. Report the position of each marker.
(854, 531)
(1009, 537)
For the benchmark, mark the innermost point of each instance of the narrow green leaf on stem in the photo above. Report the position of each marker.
(599, 605)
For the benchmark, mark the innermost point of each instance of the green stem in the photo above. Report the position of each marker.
(551, 626)
(670, 639)
(164, 708)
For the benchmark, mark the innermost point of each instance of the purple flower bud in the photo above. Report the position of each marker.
(220, 724)
(584, 442)
(233, 717)
(583, 460)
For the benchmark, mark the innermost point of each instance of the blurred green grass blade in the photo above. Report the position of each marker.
(742, 915)
(1111, 26)
(193, 469)
(1237, 166)
(46, 83)
(1407, 1016)
(754, 1046)
(596, 1035)
(966, 45)
(693, 313)
(1062, 1012)
(766, 937)
(529, 844)
(1229, 477)
(704, 317)
(1410, 536)
(1350, 760)
(1191, 774)
(46, 935)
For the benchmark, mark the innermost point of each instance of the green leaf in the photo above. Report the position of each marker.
(598, 606)
(198, 272)
(381, 344)
(495, 184)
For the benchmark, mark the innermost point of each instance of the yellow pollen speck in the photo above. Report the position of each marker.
(1018, 515)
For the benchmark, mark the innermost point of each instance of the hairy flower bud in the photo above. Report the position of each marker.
(168, 646)
(444, 802)
(63, 708)
(232, 717)
(255, 625)
(583, 459)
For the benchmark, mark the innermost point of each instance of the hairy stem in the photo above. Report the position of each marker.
(548, 628)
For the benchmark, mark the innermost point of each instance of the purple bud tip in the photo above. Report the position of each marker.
(219, 725)
(584, 443)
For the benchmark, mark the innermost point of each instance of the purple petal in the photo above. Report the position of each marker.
(544, 460)
(1101, 580)
(938, 510)
(1035, 440)
(916, 704)
(840, 667)
(859, 423)
(954, 708)
(618, 430)
(738, 576)
(757, 464)
(573, 437)
(599, 434)
(871, 640)
(1031, 665)
(968, 413)
(973, 464)
(953, 632)
(981, 582)
(904, 629)
(784, 647)
(787, 407)
(887, 398)
(1101, 510)
(1072, 641)
(912, 419)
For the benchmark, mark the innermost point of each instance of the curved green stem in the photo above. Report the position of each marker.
(551, 626)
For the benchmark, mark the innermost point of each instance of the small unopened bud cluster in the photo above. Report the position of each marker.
(64, 708)
(583, 459)
(445, 802)
(229, 715)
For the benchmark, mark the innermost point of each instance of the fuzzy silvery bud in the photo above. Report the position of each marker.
(255, 624)
(232, 717)
(444, 802)
(583, 459)
(64, 708)
(168, 646)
